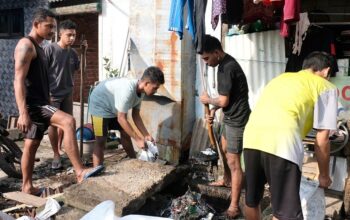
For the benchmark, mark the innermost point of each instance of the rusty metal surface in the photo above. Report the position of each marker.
(169, 117)
(262, 57)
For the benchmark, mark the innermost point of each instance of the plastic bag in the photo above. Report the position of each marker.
(51, 208)
(151, 154)
(312, 200)
(103, 211)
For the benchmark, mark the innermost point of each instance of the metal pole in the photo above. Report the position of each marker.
(82, 76)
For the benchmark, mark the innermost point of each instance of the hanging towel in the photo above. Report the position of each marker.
(300, 32)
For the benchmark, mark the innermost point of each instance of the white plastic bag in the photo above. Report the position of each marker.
(103, 211)
(151, 154)
(312, 199)
(51, 208)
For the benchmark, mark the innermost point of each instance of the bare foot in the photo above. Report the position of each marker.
(33, 191)
(232, 212)
(221, 183)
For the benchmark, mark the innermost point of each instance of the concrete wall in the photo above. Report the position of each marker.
(142, 33)
(7, 99)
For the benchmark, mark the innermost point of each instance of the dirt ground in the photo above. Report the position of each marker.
(44, 176)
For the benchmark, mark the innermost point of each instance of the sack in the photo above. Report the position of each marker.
(151, 154)
(312, 199)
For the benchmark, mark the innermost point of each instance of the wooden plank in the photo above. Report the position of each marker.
(21, 206)
(25, 198)
(77, 9)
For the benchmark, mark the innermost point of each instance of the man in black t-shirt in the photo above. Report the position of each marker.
(233, 99)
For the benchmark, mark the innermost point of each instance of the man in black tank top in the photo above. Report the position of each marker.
(32, 96)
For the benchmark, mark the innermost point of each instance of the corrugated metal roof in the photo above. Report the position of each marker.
(261, 56)
(56, 0)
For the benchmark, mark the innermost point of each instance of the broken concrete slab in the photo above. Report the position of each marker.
(128, 184)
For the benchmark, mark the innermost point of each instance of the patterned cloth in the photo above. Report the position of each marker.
(218, 8)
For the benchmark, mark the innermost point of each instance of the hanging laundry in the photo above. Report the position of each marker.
(234, 12)
(254, 12)
(218, 8)
(176, 17)
(300, 32)
(199, 23)
(291, 12)
(317, 39)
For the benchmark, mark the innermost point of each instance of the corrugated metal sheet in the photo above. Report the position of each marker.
(262, 57)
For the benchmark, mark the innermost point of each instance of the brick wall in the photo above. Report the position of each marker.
(87, 25)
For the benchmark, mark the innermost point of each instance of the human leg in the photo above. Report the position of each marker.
(226, 181)
(234, 137)
(284, 179)
(66, 122)
(98, 153)
(53, 136)
(127, 144)
(255, 180)
(27, 165)
(233, 161)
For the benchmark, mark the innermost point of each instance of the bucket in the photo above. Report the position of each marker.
(88, 133)
(88, 147)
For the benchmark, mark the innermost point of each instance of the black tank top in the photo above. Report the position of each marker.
(37, 83)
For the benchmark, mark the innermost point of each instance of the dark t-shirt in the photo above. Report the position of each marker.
(233, 83)
(62, 65)
(37, 83)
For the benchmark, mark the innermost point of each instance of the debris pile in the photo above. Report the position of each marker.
(190, 206)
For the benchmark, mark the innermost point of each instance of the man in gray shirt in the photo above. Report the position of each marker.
(63, 62)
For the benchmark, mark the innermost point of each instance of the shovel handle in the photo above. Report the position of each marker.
(210, 127)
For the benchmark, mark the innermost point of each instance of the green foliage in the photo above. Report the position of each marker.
(111, 72)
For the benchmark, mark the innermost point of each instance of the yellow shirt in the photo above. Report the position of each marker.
(290, 105)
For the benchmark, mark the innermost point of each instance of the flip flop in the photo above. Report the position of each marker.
(94, 172)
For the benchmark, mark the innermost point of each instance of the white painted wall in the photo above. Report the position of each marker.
(113, 34)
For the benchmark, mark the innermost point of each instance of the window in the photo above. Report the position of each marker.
(11, 23)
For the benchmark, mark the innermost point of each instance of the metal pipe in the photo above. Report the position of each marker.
(82, 76)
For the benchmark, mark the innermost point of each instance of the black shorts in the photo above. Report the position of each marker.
(234, 138)
(283, 178)
(65, 104)
(40, 116)
(102, 125)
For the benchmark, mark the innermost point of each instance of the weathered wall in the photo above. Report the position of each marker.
(7, 46)
(87, 25)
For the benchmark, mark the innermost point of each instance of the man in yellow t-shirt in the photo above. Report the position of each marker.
(290, 105)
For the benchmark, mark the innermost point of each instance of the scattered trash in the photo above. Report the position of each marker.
(190, 206)
(208, 152)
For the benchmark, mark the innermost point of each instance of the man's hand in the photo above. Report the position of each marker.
(325, 181)
(24, 123)
(140, 143)
(204, 98)
(149, 138)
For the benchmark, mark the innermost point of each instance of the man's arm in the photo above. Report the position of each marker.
(219, 102)
(322, 150)
(24, 53)
(122, 120)
(140, 125)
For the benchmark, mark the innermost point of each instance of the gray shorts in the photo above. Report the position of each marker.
(234, 138)
(65, 104)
